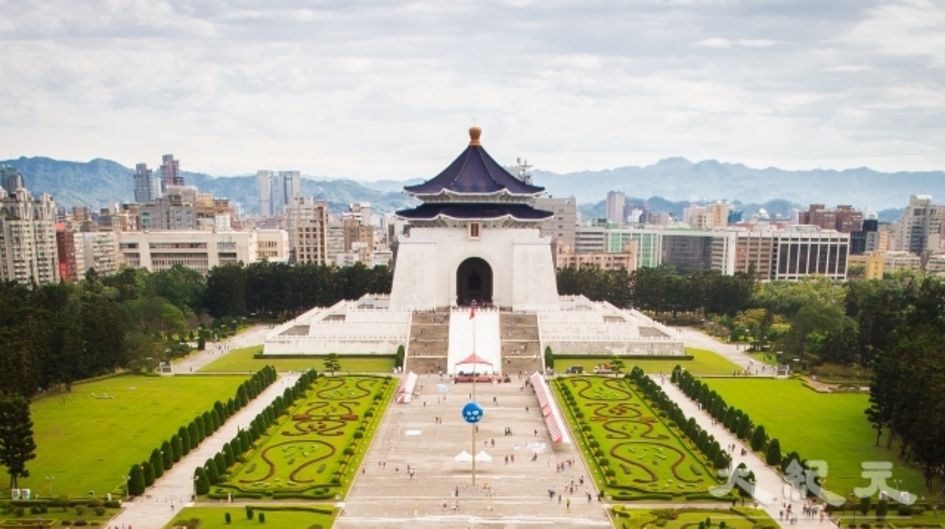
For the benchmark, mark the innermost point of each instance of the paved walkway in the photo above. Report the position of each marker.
(254, 335)
(769, 484)
(507, 494)
(735, 353)
(163, 500)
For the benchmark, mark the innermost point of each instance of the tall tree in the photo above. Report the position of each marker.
(16, 436)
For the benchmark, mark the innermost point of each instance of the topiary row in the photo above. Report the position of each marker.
(704, 441)
(143, 475)
(213, 471)
(737, 421)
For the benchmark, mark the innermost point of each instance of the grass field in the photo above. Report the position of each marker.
(703, 363)
(314, 449)
(827, 426)
(88, 439)
(632, 452)
(283, 518)
(243, 361)
(741, 518)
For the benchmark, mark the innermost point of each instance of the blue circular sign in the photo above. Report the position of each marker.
(472, 412)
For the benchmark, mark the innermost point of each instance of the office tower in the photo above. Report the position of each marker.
(147, 186)
(275, 191)
(615, 207)
(264, 192)
(170, 172)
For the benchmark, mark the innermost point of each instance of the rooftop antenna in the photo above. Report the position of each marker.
(523, 166)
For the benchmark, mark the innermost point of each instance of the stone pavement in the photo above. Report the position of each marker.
(768, 482)
(173, 491)
(254, 335)
(513, 494)
(735, 353)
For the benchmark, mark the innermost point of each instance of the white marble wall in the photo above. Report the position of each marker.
(427, 260)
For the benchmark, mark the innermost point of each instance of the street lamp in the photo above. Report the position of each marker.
(196, 479)
(127, 491)
(49, 480)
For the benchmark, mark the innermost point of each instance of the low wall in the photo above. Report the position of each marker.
(309, 346)
(609, 348)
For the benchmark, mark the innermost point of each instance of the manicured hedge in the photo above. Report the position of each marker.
(187, 437)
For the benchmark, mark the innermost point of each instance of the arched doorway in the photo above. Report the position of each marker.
(474, 282)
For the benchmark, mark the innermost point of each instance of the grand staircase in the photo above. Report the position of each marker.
(429, 341)
(521, 350)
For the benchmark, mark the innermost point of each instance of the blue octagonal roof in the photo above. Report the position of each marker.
(474, 172)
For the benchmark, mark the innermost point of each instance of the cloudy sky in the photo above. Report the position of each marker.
(376, 89)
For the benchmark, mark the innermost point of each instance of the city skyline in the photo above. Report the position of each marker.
(365, 90)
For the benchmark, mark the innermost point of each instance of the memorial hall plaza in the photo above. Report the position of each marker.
(410, 477)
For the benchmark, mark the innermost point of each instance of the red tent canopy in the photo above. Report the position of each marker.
(474, 359)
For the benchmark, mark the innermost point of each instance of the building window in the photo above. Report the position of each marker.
(473, 230)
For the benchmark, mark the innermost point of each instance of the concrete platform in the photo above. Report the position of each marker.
(513, 494)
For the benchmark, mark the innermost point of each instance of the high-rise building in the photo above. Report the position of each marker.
(11, 180)
(264, 192)
(358, 233)
(307, 223)
(275, 191)
(147, 186)
(65, 253)
(921, 226)
(28, 252)
(99, 250)
(170, 172)
(616, 203)
(561, 227)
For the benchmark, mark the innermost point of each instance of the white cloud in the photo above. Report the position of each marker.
(719, 42)
(376, 89)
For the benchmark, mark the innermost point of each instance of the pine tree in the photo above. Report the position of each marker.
(773, 455)
(202, 484)
(16, 437)
(136, 481)
(759, 438)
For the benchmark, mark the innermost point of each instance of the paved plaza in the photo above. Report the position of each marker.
(507, 494)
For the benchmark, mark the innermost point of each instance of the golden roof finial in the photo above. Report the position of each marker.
(474, 133)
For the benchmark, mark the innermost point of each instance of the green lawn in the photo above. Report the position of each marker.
(281, 518)
(827, 426)
(703, 363)
(633, 453)
(739, 518)
(313, 450)
(88, 439)
(243, 361)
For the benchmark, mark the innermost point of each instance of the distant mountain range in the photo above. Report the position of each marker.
(101, 182)
(672, 184)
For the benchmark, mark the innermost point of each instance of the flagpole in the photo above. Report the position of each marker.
(474, 426)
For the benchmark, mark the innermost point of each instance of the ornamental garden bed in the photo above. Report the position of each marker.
(313, 450)
(633, 452)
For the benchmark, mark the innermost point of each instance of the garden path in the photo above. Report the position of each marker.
(254, 335)
(735, 353)
(174, 490)
(768, 482)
